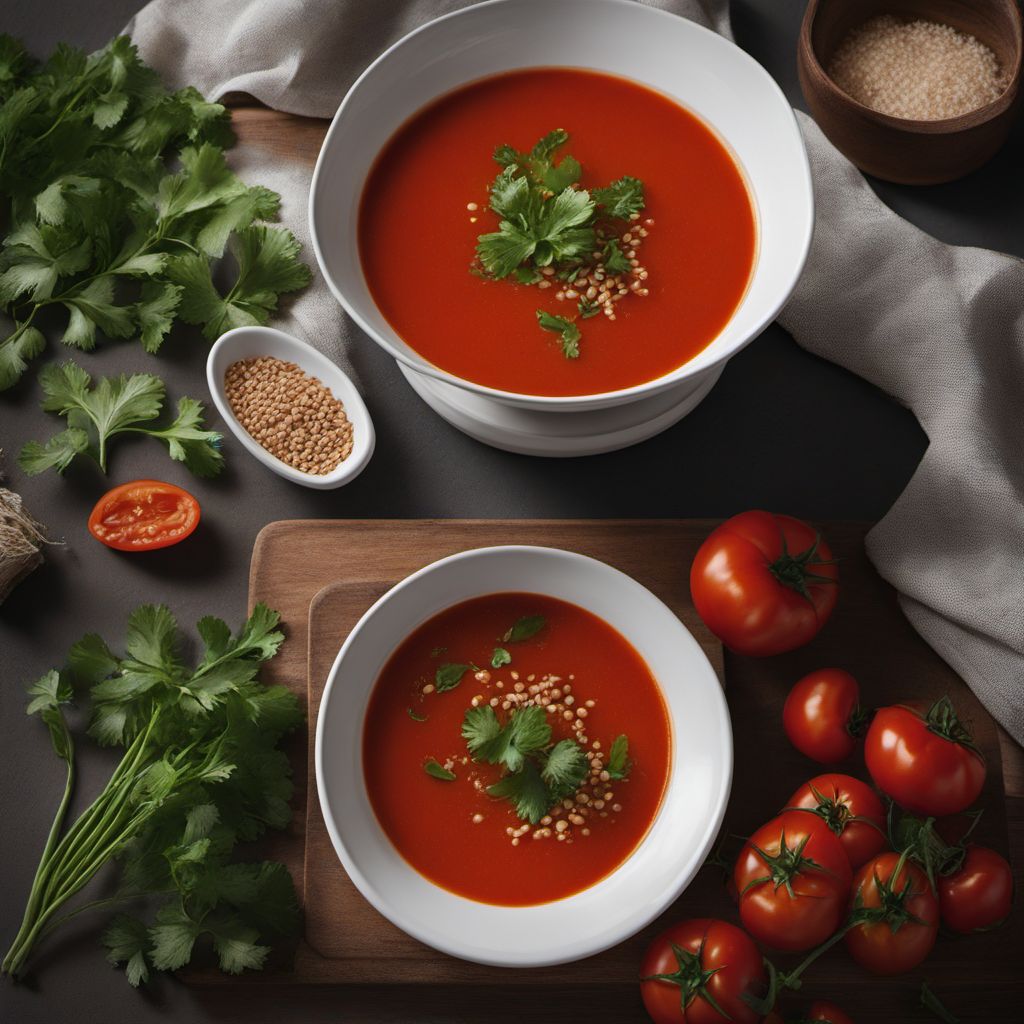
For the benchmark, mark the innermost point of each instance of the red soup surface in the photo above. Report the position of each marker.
(565, 671)
(417, 233)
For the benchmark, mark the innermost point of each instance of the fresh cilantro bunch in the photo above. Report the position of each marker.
(547, 220)
(201, 771)
(103, 227)
(116, 405)
(539, 773)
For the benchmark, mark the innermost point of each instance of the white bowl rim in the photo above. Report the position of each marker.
(638, 918)
(647, 388)
(332, 376)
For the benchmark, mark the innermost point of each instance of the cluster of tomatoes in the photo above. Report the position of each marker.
(837, 864)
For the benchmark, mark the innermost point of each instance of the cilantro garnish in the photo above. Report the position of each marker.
(524, 628)
(618, 764)
(101, 227)
(448, 676)
(527, 791)
(621, 198)
(201, 772)
(569, 332)
(526, 730)
(547, 220)
(116, 405)
(500, 657)
(614, 260)
(537, 776)
(438, 771)
(414, 716)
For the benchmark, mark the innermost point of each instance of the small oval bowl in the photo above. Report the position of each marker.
(640, 888)
(906, 151)
(250, 342)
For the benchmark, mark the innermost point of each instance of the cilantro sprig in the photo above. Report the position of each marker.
(548, 220)
(118, 202)
(538, 773)
(115, 406)
(201, 772)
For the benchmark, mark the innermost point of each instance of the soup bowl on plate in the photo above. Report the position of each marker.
(696, 69)
(517, 932)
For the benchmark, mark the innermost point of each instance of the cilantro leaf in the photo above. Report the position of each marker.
(58, 453)
(438, 771)
(502, 251)
(187, 442)
(621, 198)
(448, 676)
(527, 791)
(524, 628)
(21, 346)
(414, 716)
(615, 261)
(500, 657)
(618, 764)
(565, 768)
(568, 331)
(127, 939)
(268, 265)
(116, 405)
(526, 730)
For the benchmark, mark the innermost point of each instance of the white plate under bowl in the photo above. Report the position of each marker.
(700, 69)
(252, 342)
(646, 882)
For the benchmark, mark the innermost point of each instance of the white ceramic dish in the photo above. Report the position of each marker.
(703, 71)
(249, 342)
(643, 885)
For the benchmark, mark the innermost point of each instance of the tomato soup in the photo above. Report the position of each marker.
(516, 749)
(427, 201)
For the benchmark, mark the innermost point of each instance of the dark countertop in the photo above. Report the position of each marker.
(782, 430)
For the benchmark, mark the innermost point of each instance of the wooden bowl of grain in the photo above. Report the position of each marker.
(910, 102)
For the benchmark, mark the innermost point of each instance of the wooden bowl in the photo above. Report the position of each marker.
(899, 149)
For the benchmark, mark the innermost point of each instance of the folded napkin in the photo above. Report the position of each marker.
(939, 328)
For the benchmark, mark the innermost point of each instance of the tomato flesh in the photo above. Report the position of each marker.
(144, 515)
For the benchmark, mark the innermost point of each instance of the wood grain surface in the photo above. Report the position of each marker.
(294, 561)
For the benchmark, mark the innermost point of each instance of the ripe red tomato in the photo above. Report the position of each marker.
(826, 1011)
(144, 515)
(698, 965)
(977, 896)
(925, 760)
(793, 877)
(904, 936)
(763, 583)
(851, 808)
(822, 715)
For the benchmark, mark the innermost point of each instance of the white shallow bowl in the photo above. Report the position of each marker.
(698, 68)
(644, 884)
(250, 342)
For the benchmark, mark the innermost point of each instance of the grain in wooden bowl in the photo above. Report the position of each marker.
(912, 91)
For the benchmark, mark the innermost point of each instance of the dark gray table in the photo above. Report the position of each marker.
(782, 430)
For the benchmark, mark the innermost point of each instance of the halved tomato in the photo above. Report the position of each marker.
(144, 515)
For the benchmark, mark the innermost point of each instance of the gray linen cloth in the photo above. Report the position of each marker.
(939, 328)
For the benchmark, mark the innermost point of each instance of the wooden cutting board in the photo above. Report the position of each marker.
(322, 575)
